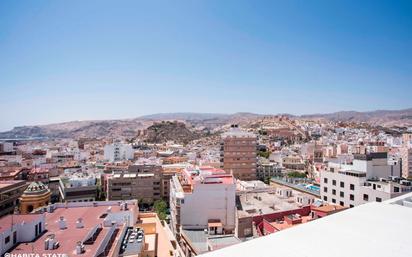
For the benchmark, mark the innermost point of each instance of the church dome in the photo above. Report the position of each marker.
(36, 187)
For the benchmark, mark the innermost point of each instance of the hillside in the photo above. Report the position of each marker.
(129, 127)
(161, 132)
(77, 129)
(385, 118)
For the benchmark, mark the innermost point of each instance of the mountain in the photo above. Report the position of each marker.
(78, 129)
(130, 127)
(184, 116)
(385, 118)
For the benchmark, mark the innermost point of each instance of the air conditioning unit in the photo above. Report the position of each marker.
(405, 183)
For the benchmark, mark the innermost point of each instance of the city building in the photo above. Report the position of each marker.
(267, 169)
(6, 147)
(109, 228)
(78, 187)
(406, 155)
(35, 196)
(268, 203)
(38, 174)
(238, 153)
(202, 199)
(70, 229)
(10, 191)
(158, 237)
(168, 171)
(118, 152)
(293, 163)
(16, 229)
(142, 181)
(369, 178)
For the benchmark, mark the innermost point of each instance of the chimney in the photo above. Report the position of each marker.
(50, 208)
(50, 242)
(46, 244)
(79, 248)
(79, 223)
(62, 223)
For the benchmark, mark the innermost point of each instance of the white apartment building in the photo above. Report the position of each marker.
(78, 187)
(20, 228)
(370, 178)
(200, 197)
(6, 147)
(118, 152)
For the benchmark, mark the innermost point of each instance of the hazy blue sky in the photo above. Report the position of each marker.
(75, 60)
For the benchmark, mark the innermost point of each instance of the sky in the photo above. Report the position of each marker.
(81, 59)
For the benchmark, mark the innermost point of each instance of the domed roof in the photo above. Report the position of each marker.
(36, 187)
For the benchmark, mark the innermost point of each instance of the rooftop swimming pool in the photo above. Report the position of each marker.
(310, 187)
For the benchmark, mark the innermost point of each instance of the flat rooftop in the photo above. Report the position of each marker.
(92, 216)
(7, 183)
(284, 225)
(7, 221)
(221, 241)
(237, 132)
(372, 229)
(164, 246)
(197, 238)
(267, 202)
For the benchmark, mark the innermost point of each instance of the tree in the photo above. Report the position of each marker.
(160, 207)
(264, 154)
(296, 174)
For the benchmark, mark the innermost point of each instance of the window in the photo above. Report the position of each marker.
(247, 231)
(341, 194)
(325, 198)
(396, 189)
(341, 203)
(350, 205)
(333, 191)
(365, 197)
(352, 187)
(333, 200)
(342, 184)
(352, 197)
(325, 189)
(325, 180)
(334, 182)
(7, 240)
(378, 199)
